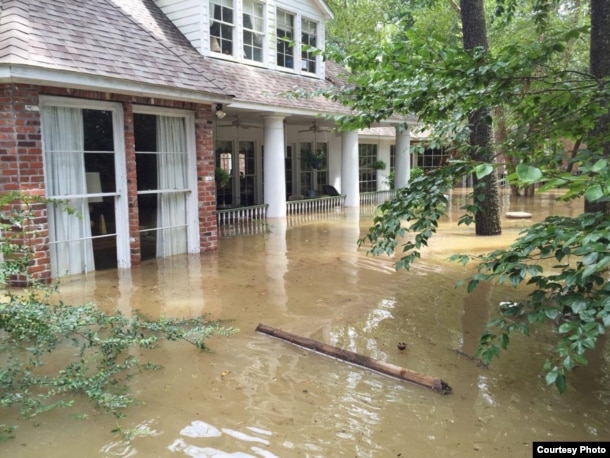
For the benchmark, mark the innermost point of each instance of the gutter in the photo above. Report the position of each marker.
(68, 79)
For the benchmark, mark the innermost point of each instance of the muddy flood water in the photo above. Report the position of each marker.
(256, 396)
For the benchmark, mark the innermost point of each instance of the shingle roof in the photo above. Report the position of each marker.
(132, 40)
(121, 39)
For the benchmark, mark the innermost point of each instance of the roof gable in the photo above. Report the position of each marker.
(121, 39)
(325, 9)
(132, 42)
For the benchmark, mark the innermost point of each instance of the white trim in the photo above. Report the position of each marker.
(68, 79)
(120, 203)
(192, 197)
(325, 8)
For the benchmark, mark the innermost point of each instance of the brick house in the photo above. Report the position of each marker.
(125, 109)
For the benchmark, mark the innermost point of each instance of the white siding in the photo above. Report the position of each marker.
(192, 18)
(305, 7)
(186, 15)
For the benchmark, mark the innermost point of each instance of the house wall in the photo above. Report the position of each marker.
(186, 15)
(192, 17)
(22, 165)
(21, 169)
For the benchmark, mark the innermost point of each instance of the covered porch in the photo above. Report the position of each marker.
(253, 219)
(287, 162)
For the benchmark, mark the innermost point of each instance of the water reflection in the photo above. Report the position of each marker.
(256, 396)
(201, 430)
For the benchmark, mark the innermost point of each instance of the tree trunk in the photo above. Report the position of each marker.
(487, 217)
(599, 63)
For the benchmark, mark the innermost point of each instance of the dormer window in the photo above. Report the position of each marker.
(309, 35)
(221, 26)
(257, 32)
(285, 35)
(253, 28)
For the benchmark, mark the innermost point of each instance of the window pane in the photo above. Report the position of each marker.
(367, 154)
(308, 38)
(221, 27)
(285, 34)
(224, 160)
(253, 22)
(431, 158)
(161, 164)
(247, 175)
(80, 163)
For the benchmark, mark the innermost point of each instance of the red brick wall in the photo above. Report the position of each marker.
(208, 233)
(22, 169)
(132, 185)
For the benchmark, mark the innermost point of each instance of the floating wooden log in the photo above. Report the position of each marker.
(401, 373)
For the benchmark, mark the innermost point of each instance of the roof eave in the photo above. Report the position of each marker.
(61, 78)
(325, 8)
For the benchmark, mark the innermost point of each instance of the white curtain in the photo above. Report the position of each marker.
(171, 174)
(65, 175)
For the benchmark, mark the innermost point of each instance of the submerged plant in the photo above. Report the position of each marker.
(89, 349)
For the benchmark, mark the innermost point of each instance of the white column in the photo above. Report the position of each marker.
(273, 165)
(350, 185)
(402, 167)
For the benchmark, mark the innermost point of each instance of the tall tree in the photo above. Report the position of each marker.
(547, 98)
(599, 66)
(487, 213)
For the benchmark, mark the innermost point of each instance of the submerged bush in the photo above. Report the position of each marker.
(89, 349)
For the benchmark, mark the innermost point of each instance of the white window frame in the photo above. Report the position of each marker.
(263, 31)
(192, 207)
(235, 33)
(296, 29)
(300, 46)
(120, 194)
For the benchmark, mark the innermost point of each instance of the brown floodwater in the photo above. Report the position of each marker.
(256, 396)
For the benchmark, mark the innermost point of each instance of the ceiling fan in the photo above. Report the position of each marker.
(237, 123)
(315, 128)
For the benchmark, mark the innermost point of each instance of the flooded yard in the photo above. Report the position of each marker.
(255, 396)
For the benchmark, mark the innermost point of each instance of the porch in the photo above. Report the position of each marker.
(253, 219)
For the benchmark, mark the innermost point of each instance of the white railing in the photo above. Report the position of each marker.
(323, 204)
(242, 220)
(376, 197)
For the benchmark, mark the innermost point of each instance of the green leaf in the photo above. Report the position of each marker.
(551, 376)
(594, 193)
(482, 170)
(560, 383)
(599, 165)
(577, 307)
(528, 174)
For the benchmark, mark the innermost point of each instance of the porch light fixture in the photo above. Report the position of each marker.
(219, 113)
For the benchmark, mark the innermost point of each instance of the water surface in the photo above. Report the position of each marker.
(255, 396)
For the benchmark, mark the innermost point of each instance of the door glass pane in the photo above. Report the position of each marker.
(80, 164)
(247, 174)
(161, 165)
(367, 154)
(224, 161)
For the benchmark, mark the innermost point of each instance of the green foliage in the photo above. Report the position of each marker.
(547, 96)
(53, 352)
(416, 172)
(566, 261)
(221, 176)
(312, 159)
(416, 209)
(379, 165)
